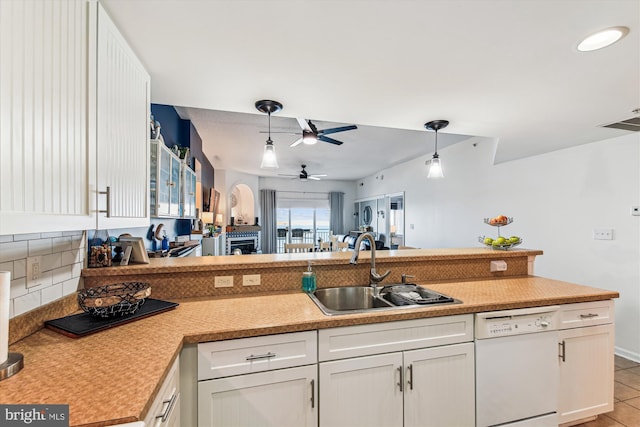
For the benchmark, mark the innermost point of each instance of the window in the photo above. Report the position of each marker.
(301, 219)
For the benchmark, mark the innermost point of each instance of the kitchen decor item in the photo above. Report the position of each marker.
(100, 250)
(114, 300)
(500, 242)
(79, 325)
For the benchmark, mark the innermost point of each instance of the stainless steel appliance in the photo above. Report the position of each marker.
(517, 367)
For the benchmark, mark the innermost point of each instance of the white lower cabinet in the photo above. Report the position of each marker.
(431, 386)
(284, 397)
(262, 381)
(165, 409)
(586, 361)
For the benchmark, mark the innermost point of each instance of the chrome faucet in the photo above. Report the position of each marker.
(374, 277)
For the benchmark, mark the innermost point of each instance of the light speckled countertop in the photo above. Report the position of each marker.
(112, 377)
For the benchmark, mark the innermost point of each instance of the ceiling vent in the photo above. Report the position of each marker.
(632, 124)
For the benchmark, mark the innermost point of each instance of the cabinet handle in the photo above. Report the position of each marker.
(410, 380)
(401, 380)
(562, 354)
(261, 356)
(169, 409)
(108, 194)
(588, 316)
(313, 394)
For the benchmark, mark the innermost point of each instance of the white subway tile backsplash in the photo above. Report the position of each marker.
(76, 269)
(19, 268)
(18, 288)
(7, 266)
(40, 247)
(27, 302)
(70, 257)
(22, 237)
(51, 293)
(61, 244)
(51, 234)
(51, 261)
(71, 286)
(13, 250)
(61, 274)
(62, 259)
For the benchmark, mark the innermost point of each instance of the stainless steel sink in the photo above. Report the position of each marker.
(361, 299)
(348, 299)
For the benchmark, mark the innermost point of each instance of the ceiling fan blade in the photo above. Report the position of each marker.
(299, 141)
(313, 177)
(335, 130)
(303, 123)
(329, 140)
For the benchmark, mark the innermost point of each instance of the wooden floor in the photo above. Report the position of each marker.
(626, 411)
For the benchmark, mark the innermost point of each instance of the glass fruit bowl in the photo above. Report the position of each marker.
(498, 244)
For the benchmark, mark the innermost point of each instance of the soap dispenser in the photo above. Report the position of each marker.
(309, 280)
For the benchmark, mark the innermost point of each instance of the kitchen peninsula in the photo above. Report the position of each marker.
(113, 376)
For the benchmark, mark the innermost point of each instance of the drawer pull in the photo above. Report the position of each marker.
(313, 394)
(261, 356)
(588, 316)
(169, 409)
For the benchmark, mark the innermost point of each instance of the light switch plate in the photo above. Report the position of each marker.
(223, 282)
(603, 234)
(251, 280)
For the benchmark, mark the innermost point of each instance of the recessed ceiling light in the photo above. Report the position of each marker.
(602, 39)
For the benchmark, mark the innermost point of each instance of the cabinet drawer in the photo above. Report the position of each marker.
(245, 355)
(165, 409)
(586, 314)
(352, 341)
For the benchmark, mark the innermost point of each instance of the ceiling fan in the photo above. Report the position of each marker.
(304, 175)
(311, 134)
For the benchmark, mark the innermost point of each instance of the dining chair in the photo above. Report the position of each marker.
(298, 247)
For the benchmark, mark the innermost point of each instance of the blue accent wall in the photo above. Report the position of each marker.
(175, 130)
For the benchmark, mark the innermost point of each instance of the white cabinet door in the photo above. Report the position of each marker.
(362, 391)
(122, 130)
(586, 372)
(279, 398)
(440, 386)
(47, 166)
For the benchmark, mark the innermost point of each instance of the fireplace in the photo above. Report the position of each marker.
(248, 242)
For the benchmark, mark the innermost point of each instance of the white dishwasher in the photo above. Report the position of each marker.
(517, 367)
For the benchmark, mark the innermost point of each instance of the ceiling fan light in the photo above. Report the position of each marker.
(269, 159)
(309, 138)
(435, 167)
(602, 39)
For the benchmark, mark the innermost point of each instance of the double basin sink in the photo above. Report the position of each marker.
(363, 299)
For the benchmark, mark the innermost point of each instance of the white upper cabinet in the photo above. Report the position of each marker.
(122, 130)
(74, 115)
(47, 168)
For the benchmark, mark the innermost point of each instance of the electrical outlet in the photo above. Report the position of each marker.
(223, 282)
(603, 234)
(34, 271)
(498, 266)
(251, 280)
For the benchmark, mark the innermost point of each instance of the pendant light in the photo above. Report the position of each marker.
(435, 166)
(269, 159)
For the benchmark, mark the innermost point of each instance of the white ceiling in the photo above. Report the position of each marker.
(507, 69)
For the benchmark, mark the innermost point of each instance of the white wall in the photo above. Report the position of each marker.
(556, 200)
(324, 186)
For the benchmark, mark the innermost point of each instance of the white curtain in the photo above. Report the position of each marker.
(269, 222)
(336, 216)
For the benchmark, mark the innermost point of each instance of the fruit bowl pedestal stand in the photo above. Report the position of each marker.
(503, 246)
